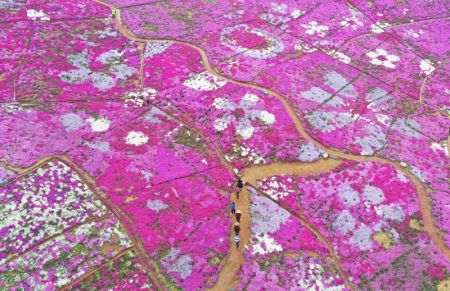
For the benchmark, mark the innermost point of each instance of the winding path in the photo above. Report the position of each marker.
(228, 274)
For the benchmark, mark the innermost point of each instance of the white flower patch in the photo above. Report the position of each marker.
(392, 212)
(304, 47)
(373, 194)
(71, 121)
(136, 138)
(5, 175)
(413, 33)
(109, 57)
(352, 21)
(277, 190)
(267, 217)
(156, 205)
(107, 32)
(37, 15)
(35, 215)
(139, 99)
(156, 47)
(99, 124)
(297, 13)
(345, 222)
(440, 147)
(349, 196)
(11, 107)
(373, 140)
(418, 173)
(314, 280)
(340, 83)
(100, 146)
(266, 117)
(246, 152)
(407, 127)
(280, 20)
(401, 176)
(276, 20)
(378, 27)
(100, 80)
(381, 57)
(244, 128)
(313, 28)
(272, 47)
(265, 244)
(182, 265)
(320, 96)
(377, 97)
(151, 115)
(329, 121)
(362, 238)
(280, 8)
(426, 67)
(204, 82)
(340, 57)
(309, 153)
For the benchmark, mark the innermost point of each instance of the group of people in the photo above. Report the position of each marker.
(237, 213)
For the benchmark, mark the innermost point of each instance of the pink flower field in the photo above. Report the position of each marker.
(125, 126)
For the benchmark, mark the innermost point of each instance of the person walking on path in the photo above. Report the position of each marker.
(237, 228)
(239, 186)
(233, 208)
(238, 216)
(237, 240)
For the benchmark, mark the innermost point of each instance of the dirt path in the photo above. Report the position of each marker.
(253, 174)
(228, 274)
(141, 46)
(24, 171)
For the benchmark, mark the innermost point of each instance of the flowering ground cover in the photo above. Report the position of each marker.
(55, 230)
(284, 254)
(248, 125)
(371, 214)
(124, 125)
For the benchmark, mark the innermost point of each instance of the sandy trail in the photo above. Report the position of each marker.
(228, 275)
(255, 173)
(24, 171)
